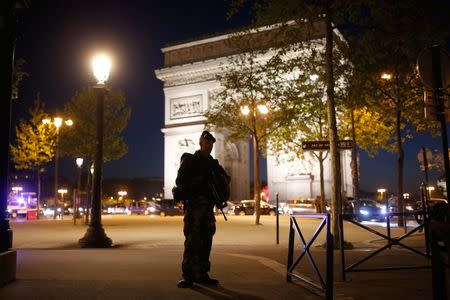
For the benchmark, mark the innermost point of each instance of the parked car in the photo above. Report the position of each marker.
(299, 205)
(229, 209)
(366, 210)
(138, 209)
(165, 207)
(116, 209)
(247, 207)
(49, 211)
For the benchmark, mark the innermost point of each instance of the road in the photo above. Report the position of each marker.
(147, 253)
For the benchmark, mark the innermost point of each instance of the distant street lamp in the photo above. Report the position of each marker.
(121, 194)
(382, 192)
(62, 192)
(252, 111)
(430, 189)
(57, 122)
(76, 202)
(386, 76)
(95, 236)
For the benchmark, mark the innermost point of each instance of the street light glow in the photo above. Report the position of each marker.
(386, 76)
(69, 122)
(79, 162)
(57, 122)
(245, 110)
(101, 65)
(122, 193)
(263, 109)
(381, 190)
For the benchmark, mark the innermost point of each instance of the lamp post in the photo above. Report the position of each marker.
(430, 189)
(62, 192)
(88, 194)
(76, 202)
(57, 122)
(122, 194)
(95, 236)
(252, 111)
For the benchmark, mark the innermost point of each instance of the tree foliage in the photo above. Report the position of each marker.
(396, 32)
(249, 79)
(35, 141)
(80, 141)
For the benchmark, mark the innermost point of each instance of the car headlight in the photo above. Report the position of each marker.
(152, 209)
(10, 210)
(364, 212)
(409, 207)
(59, 209)
(383, 209)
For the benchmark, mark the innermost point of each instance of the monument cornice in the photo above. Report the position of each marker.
(190, 73)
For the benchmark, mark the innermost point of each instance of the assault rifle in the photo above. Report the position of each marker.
(219, 188)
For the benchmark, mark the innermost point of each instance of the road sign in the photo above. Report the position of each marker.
(325, 145)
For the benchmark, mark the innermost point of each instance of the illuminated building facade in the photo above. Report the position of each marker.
(189, 82)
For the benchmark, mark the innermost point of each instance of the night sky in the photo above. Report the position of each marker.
(58, 38)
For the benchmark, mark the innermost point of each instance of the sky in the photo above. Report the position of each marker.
(58, 38)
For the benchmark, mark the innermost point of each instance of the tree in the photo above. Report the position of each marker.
(304, 62)
(319, 16)
(248, 104)
(384, 58)
(80, 141)
(35, 143)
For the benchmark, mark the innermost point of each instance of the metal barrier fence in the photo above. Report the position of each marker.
(391, 241)
(324, 286)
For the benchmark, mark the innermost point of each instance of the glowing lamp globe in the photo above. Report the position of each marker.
(101, 65)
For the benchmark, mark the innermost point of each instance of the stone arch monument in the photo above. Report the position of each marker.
(189, 81)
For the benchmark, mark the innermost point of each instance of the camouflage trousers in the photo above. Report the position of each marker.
(199, 228)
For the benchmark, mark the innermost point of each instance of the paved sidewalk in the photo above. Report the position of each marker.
(145, 264)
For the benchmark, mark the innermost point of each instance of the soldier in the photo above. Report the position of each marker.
(192, 184)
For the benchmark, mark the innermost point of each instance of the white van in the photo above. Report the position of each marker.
(17, 208)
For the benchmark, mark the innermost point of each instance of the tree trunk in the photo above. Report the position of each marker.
(323, 207)
(355, 173)
(399, 168)
(38, 196)
(334, 152)
(256, 183)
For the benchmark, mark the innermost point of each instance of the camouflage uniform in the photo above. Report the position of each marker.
(199, 220)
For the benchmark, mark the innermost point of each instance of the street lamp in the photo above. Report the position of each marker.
(430, 189)
(62, 192)
(95, 236)
(121, 194)
(88, 193)
(57, 122)
(76, 202)
(386, 76)
(251, 110)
